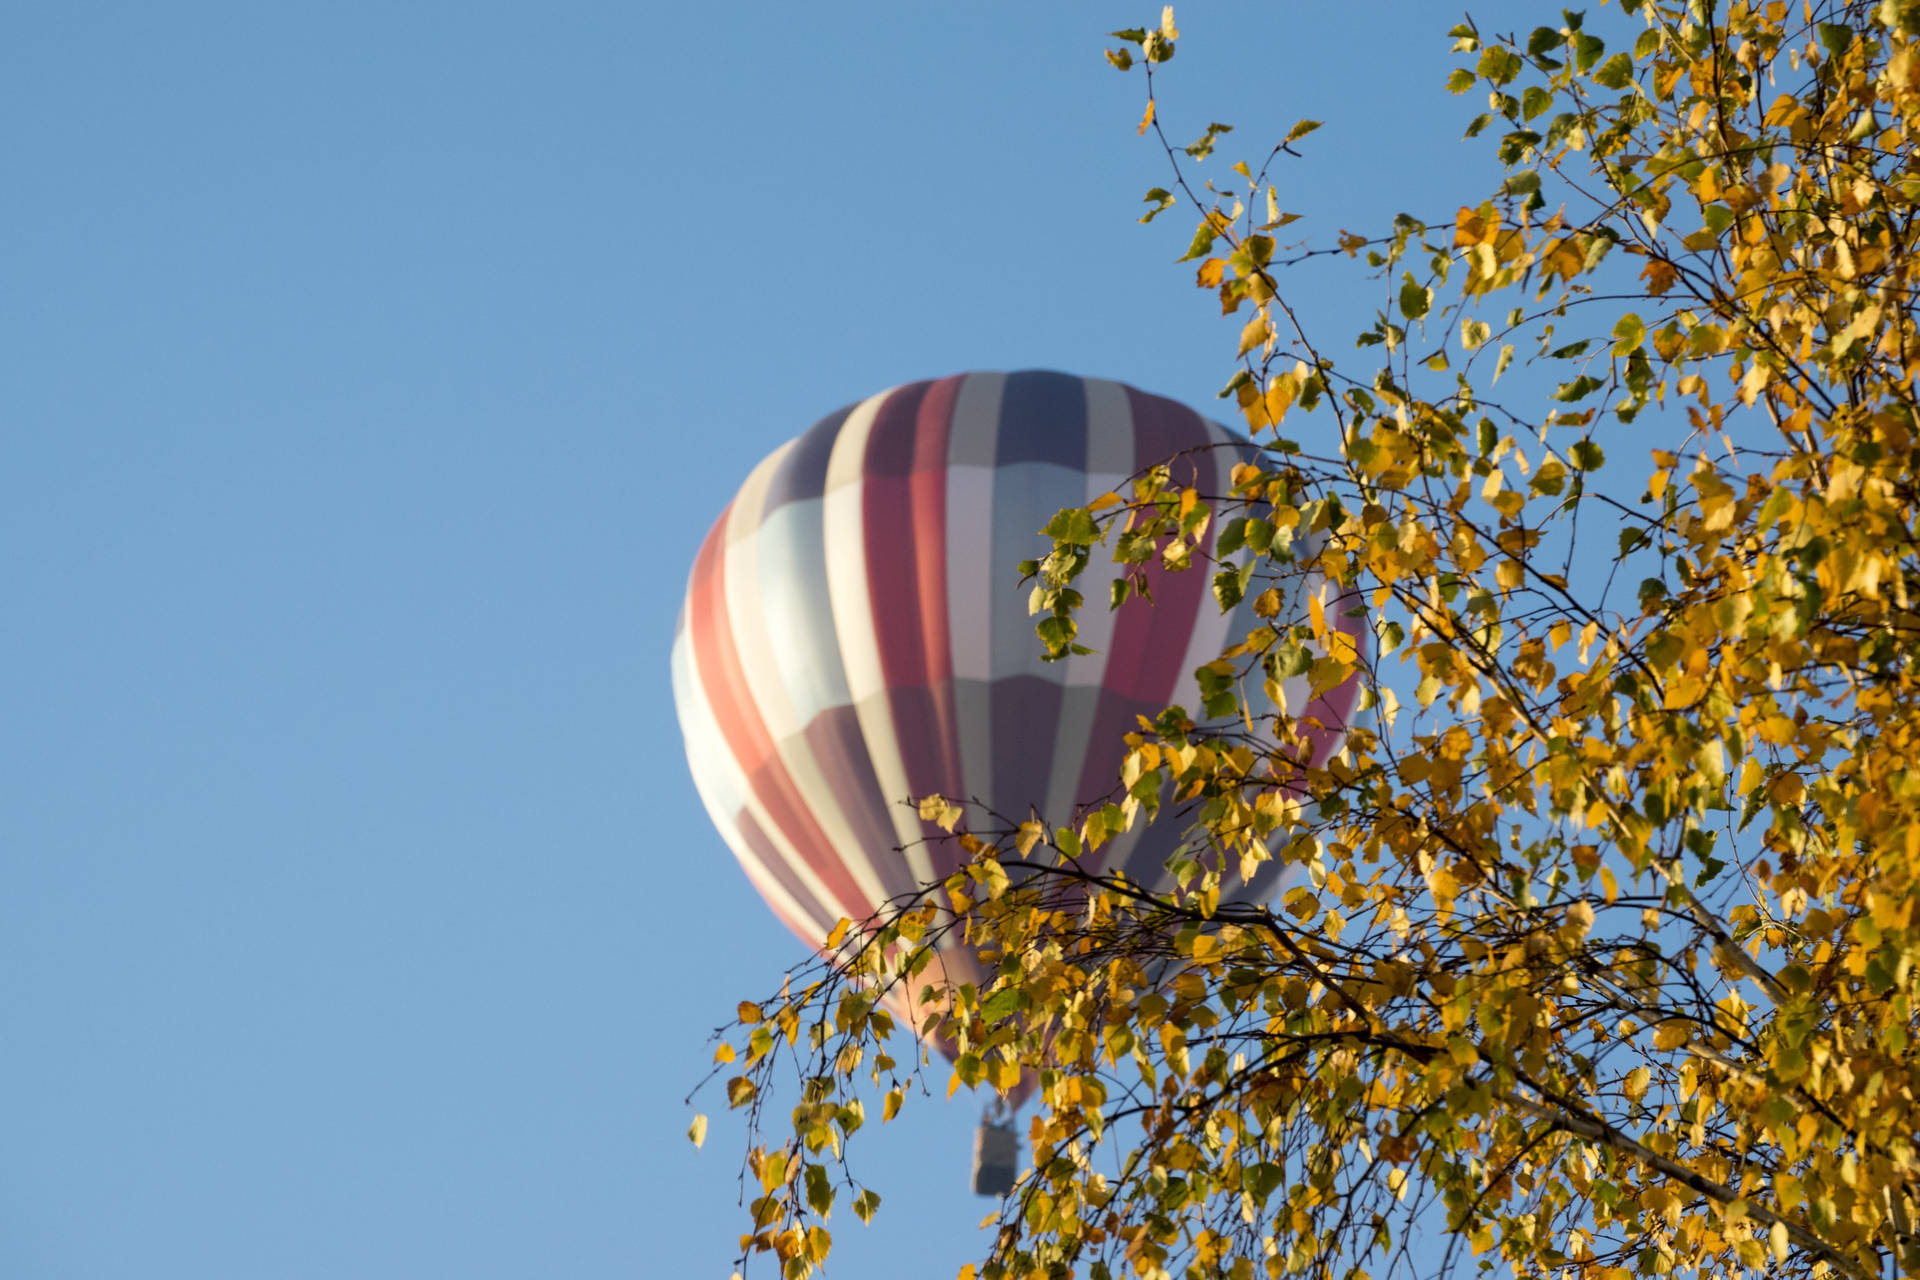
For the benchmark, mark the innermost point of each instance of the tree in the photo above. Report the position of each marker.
(1600, 951)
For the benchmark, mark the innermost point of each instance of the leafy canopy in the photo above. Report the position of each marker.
(1599, 955)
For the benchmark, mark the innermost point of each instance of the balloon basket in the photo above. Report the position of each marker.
(996, 1158)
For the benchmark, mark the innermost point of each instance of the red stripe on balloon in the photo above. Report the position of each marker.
(839, 750)
(886, 525)
(904, 522)
(809, 927)
(731, 698)
(928, 483)
(1149, 640)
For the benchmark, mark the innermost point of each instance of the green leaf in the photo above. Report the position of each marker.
(1579, 389)
(1301, 129)
(1461, 80)
(1534, 101)
(1587, 456)
(1291, 659)
(1261, 1181)
(1002, 1003)
(1415, 298)
(1616, 72)
(1202, 242)
(1778, 503)
(1161, 199)
(1499, 65)
(1521, 184)
(1629, 332)
(1075, 526)
(1056, 633)
(1202, 147)
(819, 1190)
(1835, 37)
(1586, 51)
(1544, 40)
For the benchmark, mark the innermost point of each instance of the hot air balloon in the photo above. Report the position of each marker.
(854, 634)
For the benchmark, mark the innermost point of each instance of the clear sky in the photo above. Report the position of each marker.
(368, 375)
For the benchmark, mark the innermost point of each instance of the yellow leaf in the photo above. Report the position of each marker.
(940, 811)
(723, 1054)
(697, 1133)
(1256, 333)
(1147, 119)
(1777, 1237)
(1281, 393)
(1475, 226)
(1659, 275)
(749, 1013)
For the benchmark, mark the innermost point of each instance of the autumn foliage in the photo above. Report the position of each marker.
(1599, 955)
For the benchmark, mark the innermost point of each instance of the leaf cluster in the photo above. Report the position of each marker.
(1597, 952)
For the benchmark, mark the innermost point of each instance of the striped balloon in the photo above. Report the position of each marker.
(854, 634)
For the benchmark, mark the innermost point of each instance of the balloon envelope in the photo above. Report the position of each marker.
(854, 634)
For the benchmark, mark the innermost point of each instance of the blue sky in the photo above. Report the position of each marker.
(371, 373)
